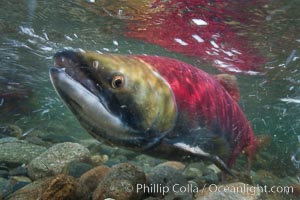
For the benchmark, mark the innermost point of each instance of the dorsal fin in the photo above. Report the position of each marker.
(229, 82)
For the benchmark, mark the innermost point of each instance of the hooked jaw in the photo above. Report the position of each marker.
(72, 80)
(82, 102)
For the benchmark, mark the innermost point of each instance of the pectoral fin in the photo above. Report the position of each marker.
(198, 152)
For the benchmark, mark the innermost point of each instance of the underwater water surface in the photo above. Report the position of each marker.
(31, 31)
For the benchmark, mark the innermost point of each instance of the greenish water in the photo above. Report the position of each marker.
(32, 31)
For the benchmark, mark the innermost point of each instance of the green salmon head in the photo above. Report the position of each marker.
(119, 99)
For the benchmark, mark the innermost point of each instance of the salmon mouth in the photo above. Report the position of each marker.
(73, 64)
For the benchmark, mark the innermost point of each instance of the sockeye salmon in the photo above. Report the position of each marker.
(156, 105)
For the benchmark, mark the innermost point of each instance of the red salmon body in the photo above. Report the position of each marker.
(203, 102)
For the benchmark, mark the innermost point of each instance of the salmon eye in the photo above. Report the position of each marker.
(117, 81)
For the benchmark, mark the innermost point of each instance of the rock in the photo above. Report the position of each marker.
(178, 196)
(211, 178)
(5, 187)
(76, 168)
(4, 173)
(153, 198)
(231, 191)
(37, 141)
(293, 189)
(18, 152)
(89, 143)
(89, 181)
(127, 153)
(11, 130)
(18, 171)
(97, 160)
(29, 192)
(116, 155)
(164, 179)
(35, 137)
(103, 149)
(19, 182)
(20, 179)
(291, 180)
(214, 168)
(194, 171)
(112, 161)
(17, 186)
(146, 162)
(52, 161)
(121, 158)
(8, 139)
(193, 184)
(60, 187)
(173, 164)
(121, 183)
(263, 177)
(276, 196)
(54, 138)
(142, 158)
(115, 160)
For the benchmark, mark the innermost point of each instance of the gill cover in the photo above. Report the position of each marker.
(119, 99)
